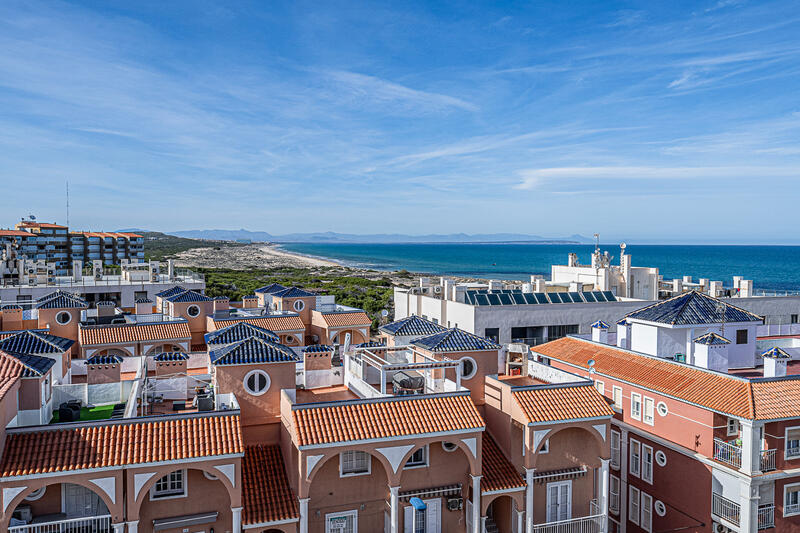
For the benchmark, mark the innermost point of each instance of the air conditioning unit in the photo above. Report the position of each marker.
(437, 290)
(720, 528)
(455, 504)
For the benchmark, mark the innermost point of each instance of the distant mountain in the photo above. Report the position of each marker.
(376, 238)
(133, 230)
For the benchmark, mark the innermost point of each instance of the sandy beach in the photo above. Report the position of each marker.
(261, 256)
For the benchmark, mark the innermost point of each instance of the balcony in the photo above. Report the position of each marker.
(725, 509)
(91, 524)
(731, 454)
(766, 516)
(588, 524)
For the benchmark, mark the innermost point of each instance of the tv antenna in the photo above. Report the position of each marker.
(67, 203)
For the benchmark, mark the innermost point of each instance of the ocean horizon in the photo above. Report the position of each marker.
(771, 267)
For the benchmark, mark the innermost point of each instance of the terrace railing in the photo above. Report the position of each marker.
(724, 508)
(89, 524)
(727, 453)
(766, 516)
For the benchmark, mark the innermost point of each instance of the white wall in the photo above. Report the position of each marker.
(644, 338)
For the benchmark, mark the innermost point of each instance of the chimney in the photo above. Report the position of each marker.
(746, 288)
(144, 306)
(575, 286)
(711, 352)
(623, 334)
(171, 269)
(539, 285)
(600, 332)
(77, 270)
(677, 286)
(704, 284)
(11, 317)
(249, 302)
(221, 303)
(572, 260)
(775, 362)
(106, 308)
(527, 287)
(495, 285)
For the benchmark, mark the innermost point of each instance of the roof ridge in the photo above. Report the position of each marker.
(380, 399)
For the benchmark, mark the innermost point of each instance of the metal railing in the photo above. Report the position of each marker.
(791, 508)
(724, 508)
(587, 524)
(792, 452)
(90, 524)
(768, 460)
(766, 516)
(727, 453)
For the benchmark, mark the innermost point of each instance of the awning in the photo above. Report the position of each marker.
(557, 475)
(447, 490)
(184, 521)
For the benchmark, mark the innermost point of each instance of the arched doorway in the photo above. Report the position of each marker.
(500, 513)
(57, 502)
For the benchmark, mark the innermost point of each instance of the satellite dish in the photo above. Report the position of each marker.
(623, 245)
(590, 362)
(384, 313)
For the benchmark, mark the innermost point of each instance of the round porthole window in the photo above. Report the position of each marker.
(35, 495)
(299, 305)
(661, 458)
(449, 446)
(193, 310)
(662, 409)
(63, 318)
(660, 508)
(256, 382)
(210, 477)
(468, 368)
(289, 339)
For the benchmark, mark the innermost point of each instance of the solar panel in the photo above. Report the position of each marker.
(576, 297)
(599, 296)
(541, 298)
(610, 296)
(530, 298)
(493, 299)
(482, 299)
(554, 297)
(518, 298)
(588, 296)
(505, 299)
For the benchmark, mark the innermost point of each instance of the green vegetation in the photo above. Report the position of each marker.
(160, 246)
(101, 412)
(371, 295)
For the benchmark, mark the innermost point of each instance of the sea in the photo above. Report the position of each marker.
(770, 267)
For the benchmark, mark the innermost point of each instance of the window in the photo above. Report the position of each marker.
(615, 449)
(792, 442)
(601, 387)
(449, 446)
(649, 411)
(492, 333)
(256, 382)
(435, 320)
(793, 319)
(791, 499)
(559, 501)
(635, 466)
(346, 522)
(418, 458)
(193, 310)
(661, 458)
(468, 367)
(662, 409)
(173, 485)
(299, 305)
(741, 336)
(633, 504)
(613, 494)
(428, 520)
(646, 521)
(35, 495)
(733, 427)
(636, 406)
(63, 318)
(545, 447)
(647, 463)
(354, 463)
(661, 509)
(617, 397)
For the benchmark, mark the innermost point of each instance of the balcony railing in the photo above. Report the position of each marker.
(91, 524)
(768, 460)
(587, 524)
(727, 453)
(724, 508)
(766, 516)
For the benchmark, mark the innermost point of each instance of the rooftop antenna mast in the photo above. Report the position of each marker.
(67, 203)
(721, 311)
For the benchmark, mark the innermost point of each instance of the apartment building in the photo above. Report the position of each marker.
(112, 248)
(52, 242)
(194, 414)
(705, 431)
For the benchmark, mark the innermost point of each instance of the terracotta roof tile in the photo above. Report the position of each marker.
(272, 323)
(119, 444)
(338, 320)
(116, 333)
(498, 472)
(554, 403)
(383, 418)
(776, 399)
(11, 371)
(715, 391)
(265, 488)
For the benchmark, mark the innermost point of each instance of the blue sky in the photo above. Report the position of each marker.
(644, 121)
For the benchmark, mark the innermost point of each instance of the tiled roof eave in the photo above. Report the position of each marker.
(126, 343)
(479, 429)
(570, 420)
(674, 325)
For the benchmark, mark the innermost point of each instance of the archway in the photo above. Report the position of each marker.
(167, 347)
(194, 490)
(500, 513)
(120, 351)
(356, 337)
(75, 500)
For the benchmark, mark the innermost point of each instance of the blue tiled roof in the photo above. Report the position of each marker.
(60, 300)
(292, 292)
(104, 360)
(166, 293)
(12, 306)
(171, 356)
(35, 342)
(455, 340)
(144, 301)
(412, 325)
(776, 353)
(271, 288)
(34, 365)
(238, 332)
(622, 321)
(600, 325)
(188, 296)
(252, 351)
(317, 348)
(693, 308)
(711, 339)
(371, 344)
